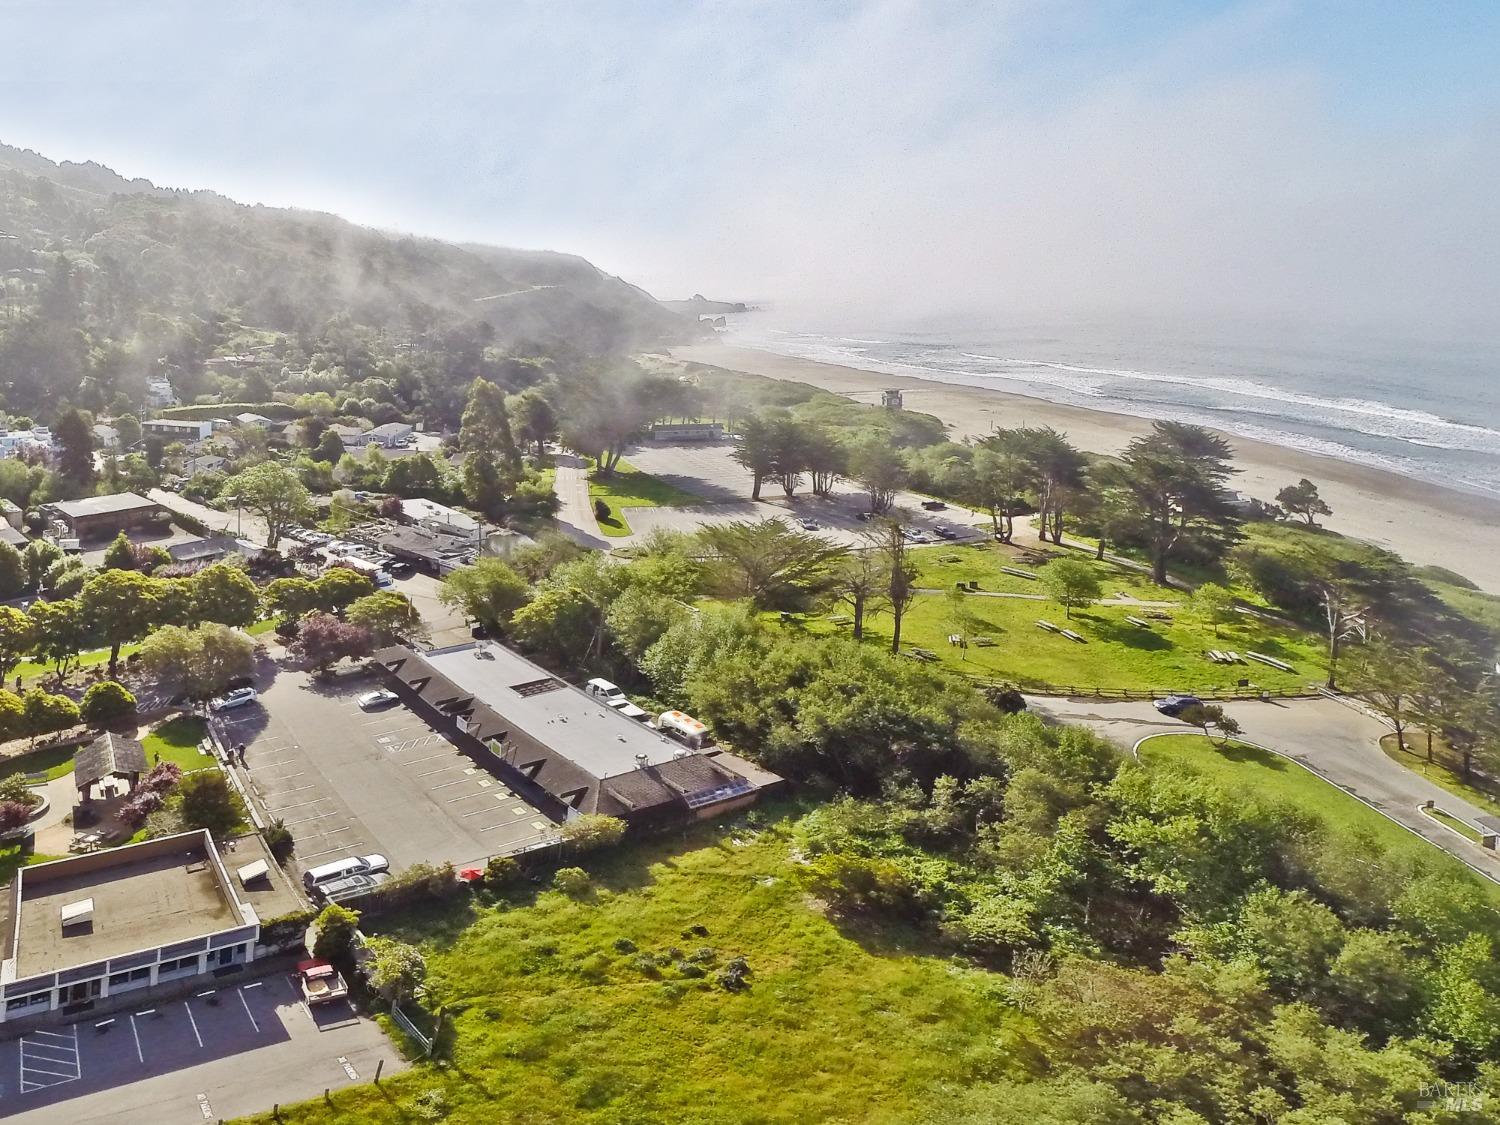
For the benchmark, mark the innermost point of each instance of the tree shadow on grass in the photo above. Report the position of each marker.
(1124, 633)
(615, 524)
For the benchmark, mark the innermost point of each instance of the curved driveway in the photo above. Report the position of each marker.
(1329, 737)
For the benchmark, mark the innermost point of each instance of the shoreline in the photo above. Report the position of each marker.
(1425, 523)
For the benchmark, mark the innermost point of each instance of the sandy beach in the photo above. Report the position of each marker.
(1425, 523)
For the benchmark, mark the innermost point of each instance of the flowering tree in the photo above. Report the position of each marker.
(325, 640)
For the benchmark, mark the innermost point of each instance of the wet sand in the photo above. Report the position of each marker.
(1425, 523)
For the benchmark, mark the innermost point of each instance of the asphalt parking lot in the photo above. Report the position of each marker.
(220, 1053)
(350, 782)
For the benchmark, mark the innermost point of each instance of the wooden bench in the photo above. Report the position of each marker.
(1026, 574)
(1138, 621)
(1047, 625)
(1072, 636)
(984, 642)
(1279, 665)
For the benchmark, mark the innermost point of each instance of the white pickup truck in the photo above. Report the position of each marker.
(321, 983)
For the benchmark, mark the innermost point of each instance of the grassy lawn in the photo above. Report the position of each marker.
(1166, 657)
(940, 567)
(177, 741)
(554, 1021)
(1449, 821)
(1414, 758)
(1241, 768)
(54, 762)
(259, 627)
(628, 487)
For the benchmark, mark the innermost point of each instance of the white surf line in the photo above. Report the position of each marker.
(249, 1014)
(189, 1009)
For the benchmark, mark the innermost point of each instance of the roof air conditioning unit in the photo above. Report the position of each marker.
(77, 913)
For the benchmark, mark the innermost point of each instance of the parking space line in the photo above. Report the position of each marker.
(246, 1005)
(297, 804)
(340, 848)
(445, 784)
(430, 758)
(189, 1008)
(50, 1035)
(308, 819)
(136, 1032)
(440, 769)
(465, 797)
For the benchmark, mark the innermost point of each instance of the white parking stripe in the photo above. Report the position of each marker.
(297, 804)
(308, 819)
(136, 1032)
(446, 784)
(248, 1013)
(192, 1021)
(465, 797)
(51, 1035)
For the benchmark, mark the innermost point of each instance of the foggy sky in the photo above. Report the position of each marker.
(1326, 163)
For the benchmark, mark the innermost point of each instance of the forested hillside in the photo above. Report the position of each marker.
(108, 281)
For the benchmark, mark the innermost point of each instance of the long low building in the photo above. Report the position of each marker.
(564, 750)
(98, 517)
(93, 926)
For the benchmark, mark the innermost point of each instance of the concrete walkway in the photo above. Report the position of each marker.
(1331, 738)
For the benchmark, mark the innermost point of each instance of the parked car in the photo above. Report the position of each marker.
(934, 505)
(375, 700)
(321, 983)
(605, 691)
(945, 533)
(1174, 705)
(920, 537)
(239, 697)
(401, 569)
(351, 886)
(346, 868)
(809, 525)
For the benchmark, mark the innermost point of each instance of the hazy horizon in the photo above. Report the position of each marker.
(1267, 162)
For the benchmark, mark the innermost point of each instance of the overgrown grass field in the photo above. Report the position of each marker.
(554, 1020)
(1246, 769)
(628, 487)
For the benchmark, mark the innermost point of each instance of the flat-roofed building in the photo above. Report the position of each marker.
(100, 516)
(566, 751)
(93, 926)
(178, 429)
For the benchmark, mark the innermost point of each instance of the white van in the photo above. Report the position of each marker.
(603, 689)
(337, 869)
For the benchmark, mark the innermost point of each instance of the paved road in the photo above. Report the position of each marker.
(1338, 741)
(575, 513)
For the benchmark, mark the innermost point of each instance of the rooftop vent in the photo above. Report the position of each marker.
(77, 913)
(640, 761)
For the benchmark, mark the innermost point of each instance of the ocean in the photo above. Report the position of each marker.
(1426, 410)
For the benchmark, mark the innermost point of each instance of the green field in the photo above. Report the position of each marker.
(1414, 758)
(1245, 769)
(940, 567)
(54, 762)
(554, 1021)
(1166, 657)
(177, 741)
(628, 487)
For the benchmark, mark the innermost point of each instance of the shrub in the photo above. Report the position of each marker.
(690, 970)
(209, 802)
(162, 779)
(13, 814)
(336, 925)
(703, 955)
(572, 881)
(14, 788)
(280, 842)
(734, 976)
(646, 964)
(106, 702)
(501, 871)
(624, 945)
(592, 831)
(141, 804)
